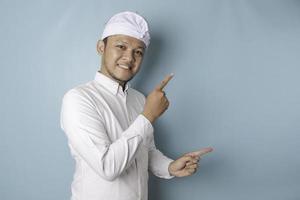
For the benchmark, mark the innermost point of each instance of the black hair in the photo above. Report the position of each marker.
(105, 41)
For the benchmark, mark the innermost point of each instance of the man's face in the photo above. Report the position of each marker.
(121, 57)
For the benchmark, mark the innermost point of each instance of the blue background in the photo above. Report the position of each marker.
(236, 88)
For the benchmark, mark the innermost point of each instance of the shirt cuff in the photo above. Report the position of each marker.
(142, 127)
(147, 134)
(168, 175)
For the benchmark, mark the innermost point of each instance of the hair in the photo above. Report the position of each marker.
(105, 41)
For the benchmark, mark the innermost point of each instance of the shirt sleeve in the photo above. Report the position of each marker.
(86, 133)
(158, 162)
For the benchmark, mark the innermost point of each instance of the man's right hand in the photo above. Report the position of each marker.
(157, 102)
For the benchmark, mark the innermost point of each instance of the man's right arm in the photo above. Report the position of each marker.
(87, 135)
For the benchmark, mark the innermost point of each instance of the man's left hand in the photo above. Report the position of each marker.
(187, 164)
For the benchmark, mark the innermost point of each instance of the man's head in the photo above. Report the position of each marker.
(122, 46)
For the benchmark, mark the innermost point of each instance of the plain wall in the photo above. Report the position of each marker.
(236, 88)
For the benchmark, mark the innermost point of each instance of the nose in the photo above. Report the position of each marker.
(128, 56)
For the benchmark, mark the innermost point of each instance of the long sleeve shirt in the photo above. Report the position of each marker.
(111, 142)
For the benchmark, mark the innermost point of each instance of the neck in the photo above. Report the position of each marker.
(121, 83)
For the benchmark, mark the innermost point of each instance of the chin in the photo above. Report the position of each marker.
(123, 78)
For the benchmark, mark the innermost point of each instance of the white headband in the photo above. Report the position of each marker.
(130, 24)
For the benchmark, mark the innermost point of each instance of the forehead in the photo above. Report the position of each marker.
(133, 42)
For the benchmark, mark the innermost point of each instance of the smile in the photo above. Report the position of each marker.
(123, 66)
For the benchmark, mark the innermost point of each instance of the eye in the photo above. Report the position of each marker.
(139, 53)
(120, 46)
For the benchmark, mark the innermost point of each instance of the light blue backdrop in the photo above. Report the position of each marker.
(236, 88)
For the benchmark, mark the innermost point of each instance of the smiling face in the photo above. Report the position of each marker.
(122, 57)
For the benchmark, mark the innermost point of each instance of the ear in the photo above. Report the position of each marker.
(100, 47)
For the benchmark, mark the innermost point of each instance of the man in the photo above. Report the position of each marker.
(109, 124)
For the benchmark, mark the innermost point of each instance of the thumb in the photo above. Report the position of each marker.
(181, 162)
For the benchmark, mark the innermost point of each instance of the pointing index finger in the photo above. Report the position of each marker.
(164, 82)
(200, 152)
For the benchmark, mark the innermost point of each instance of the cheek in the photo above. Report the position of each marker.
(139, 61)
(111, 57)
(138, 65)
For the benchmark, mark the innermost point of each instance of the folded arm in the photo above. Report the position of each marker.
(85, 129)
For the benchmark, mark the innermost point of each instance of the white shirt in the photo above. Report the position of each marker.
(111, 141)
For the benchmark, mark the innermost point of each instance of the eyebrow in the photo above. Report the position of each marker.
(128, 44)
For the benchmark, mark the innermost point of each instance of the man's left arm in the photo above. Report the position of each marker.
(164, 167)
(158, 162)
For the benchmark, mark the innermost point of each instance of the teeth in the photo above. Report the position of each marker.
(124, 66)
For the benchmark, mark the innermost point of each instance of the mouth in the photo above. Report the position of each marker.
(124, 66)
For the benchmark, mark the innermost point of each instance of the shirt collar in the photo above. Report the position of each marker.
(110, 84)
